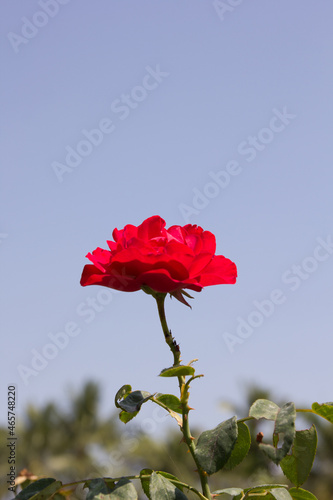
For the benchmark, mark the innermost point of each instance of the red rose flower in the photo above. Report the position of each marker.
(164, 260)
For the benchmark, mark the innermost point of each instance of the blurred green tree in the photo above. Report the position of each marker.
(77, 443)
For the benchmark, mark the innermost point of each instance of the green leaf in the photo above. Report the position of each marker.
(215, 446)
(101, 489)
(171, 404)
(267, 491)
(126, 417)
(325, 410)
(270, 492)
(260, 496)
(160, 488)
(297, 466)
(132, 403)
(280, 494)
(171, 478)
(241, 447)
(299, 494)
(124, 490)
(145, 481)
(262, 489)
(263, 408)
(177, 371)
(228, 491)
(47, 492)
(170, 401)
(284, 424)
(122, 393)
(41, 489)
(97, 487)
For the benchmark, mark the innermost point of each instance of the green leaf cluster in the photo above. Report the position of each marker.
(130, 402)
(40, 490)
(219, 449)
(298, 450)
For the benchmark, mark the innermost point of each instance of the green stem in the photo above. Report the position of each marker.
(245, 419)
(160, 299)
(184, 394)
(305, 410)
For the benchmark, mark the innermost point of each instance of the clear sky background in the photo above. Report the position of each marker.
(184, 94)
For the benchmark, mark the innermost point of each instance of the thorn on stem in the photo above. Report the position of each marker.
(175, 345)
(259, 437)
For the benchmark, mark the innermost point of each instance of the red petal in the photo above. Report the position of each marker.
(92, 276)
(199, 263)
(199, 240)
(100, 258)
(129, 232)
(112, 245)
(176, 232)
(161, 281)
(151, 228)
(218, 272)
(135, 263)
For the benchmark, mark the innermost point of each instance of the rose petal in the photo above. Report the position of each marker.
(219, 271)
(176, 232)
(100, 258)
(112, 245)
(92, 276)
(199, 263)
(151, 228)
(161, 281)
(133, 263)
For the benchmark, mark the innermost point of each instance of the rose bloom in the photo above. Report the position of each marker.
(164, 260)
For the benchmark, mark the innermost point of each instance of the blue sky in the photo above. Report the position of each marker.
(116, 111)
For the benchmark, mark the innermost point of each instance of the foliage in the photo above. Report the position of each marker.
(215, 450)
(133, 449)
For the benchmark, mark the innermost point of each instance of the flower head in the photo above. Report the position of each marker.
(164, 260)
